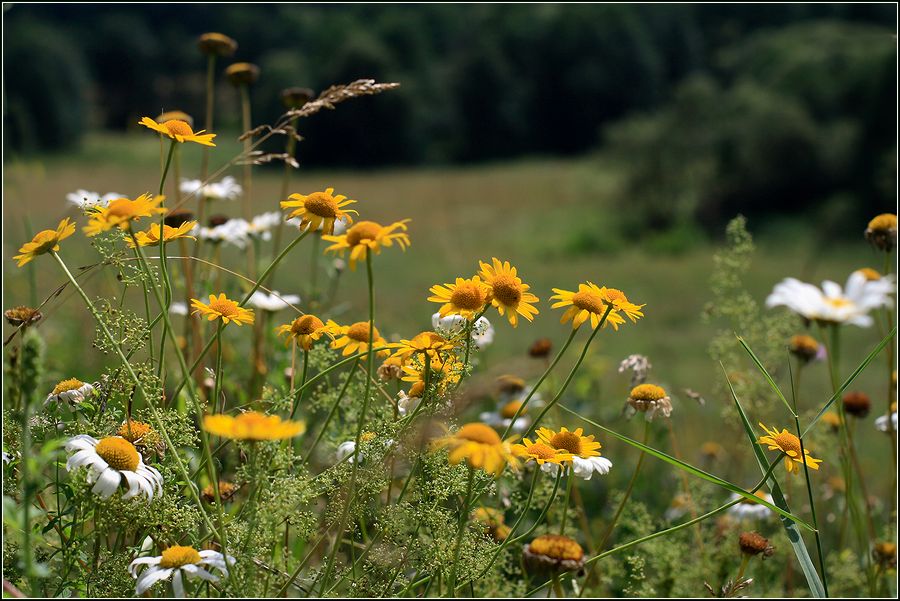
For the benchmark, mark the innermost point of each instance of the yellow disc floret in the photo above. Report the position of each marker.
(118, 453)
(177, 556)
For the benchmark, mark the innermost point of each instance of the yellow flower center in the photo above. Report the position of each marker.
(883, 223)
(227, 308)
(178, 127)
(541, 451)
(67, 385)
(306, 325)
(321, 205)
(360, 332)
(508, 410)
(118, 453)
(614, 294)
(569, 441)
(870, 274)
(177, 556)
(468, 296)
(788, 442)
(134, 430)
(589, 301)
(557, 547)
(648, 392)
(364, 230)
(506, 289)
(837, 303)
(477, 432)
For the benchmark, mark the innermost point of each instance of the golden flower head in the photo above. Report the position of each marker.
(217, 44)
(22, 316)
(44, 242)
(507, 292)
(355, 338)
(541, 452)
(857, 403)
(593, 302)
(650, 399)
(572, 443)
(177, 556)
(133, 430)
(465, 297)
(122, 212)
(882, 232)
(242, 74)
(226, 492)
(175, 116)
(319, 209)
(753, 543)
(789, 444)
(252, 425)
(294, 98)
(554, 553)
(368, 236)
(424, 343)
(804, 347)
(304, 331)
(179, 130)
(481, 447)
(151, 237)
(222, 308)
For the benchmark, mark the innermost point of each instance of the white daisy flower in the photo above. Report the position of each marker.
(751, 510)
(179, 562)
(407, 404)
(883, 425)
(452, 325)
(585, 467)
(274, 301)
(178, 308)
(833, 304)
(227, 189)
(111, 460)
(261, 225)
(85, 199)
(233, 231)
(72, 391)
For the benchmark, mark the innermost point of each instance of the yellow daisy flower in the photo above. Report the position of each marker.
(252, 425)
(425, 343)
(465, 297)
(319, 209)
(179, 131)
(45, 241)
(222, 308)
(573, 443)
(541, 452)
(790, 445)
(508, 293)
(480, 446)
(151, 236)
(368, 236)
(354, 338)
(591, 302)
(304, 331)
(122, 211)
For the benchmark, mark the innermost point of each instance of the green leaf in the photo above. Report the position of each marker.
(692, 470)
(765, 373)
(806, 563)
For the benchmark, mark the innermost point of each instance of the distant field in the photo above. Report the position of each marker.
(533, 213)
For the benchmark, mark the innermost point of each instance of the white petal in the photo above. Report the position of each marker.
(80, 442)
(132, 567)
(151, 577)
(199, 572)
(107, 483)
(83, 457)
(177, 584)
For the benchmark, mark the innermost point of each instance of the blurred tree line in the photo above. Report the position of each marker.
(710, 107)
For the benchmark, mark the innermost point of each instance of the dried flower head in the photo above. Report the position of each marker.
(540, 348)
(217, 44)
(857, 403)
(22, 316)
(554, 553)
(753, 543)
(804, 347)
(242, 74)
(639, 365)
(178, 218)
(885, 554)
(294, 98)
(882, 232)
(649, 399)
(227, 490)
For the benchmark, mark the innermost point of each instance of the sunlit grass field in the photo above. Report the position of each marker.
(555, 219)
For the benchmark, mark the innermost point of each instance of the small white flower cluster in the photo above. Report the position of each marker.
(272, 302)
(452, 325)
(747, 509)
(238, 232)
(227, 189)
(85, 199)
(887, 423)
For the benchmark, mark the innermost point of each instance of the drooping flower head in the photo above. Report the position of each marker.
(319, 209)
(554, 553)
(151, 237)
(649, 399)
(882, 232)
(217, 44)
(121, 212)
(179, 131)
(71, 391)
(593, 302)
(481, 447)
(113, 461)
(465, 297)
(789, 444)
(507, 291)
(252, 425)
(222, 308)
(368, 236)
(303, 331)
(44, 242)
(242, 74)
